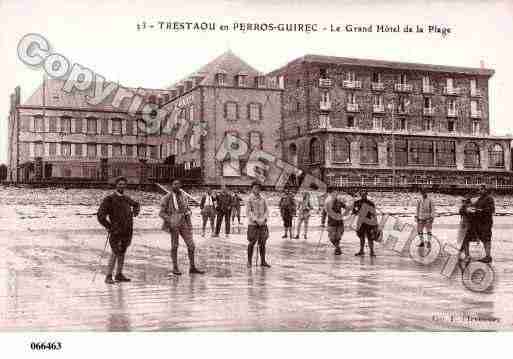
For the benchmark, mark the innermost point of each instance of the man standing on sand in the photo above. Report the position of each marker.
(334, 209)
(257, 213)
(175, 212)
(223, 209)
(425, 216)
(367, 223)
(484, 210)
(116, 214)
(208, 211)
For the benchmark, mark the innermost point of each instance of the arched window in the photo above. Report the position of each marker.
(472, 158)
(446, 153)
(340, 150)
(496, 156)
(315, 151)
(368, 151)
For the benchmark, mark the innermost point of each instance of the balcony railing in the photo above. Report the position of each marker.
(378, 86)
(352, 84)
(323, 122)
(378, 108)
(352, 107)
(428, 89)
(476, 93)
(452, 91)
(428, 111)
(451, 112)
(325, 105)
(403, 87)
(325, 82)
(476, 114)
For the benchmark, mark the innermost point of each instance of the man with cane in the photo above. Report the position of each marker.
(116, 214)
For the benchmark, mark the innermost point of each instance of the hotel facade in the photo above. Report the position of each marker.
(346, 121)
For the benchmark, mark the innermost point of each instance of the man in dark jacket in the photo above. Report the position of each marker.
(288, 211)
(335, 210)
(484, 210)
(367, 223)
(208, 211)
(236, 204)
(223, 209)
(115, 214)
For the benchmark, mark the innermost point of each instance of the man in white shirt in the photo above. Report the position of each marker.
(208, 211)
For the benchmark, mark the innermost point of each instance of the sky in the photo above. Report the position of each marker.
(103, 36)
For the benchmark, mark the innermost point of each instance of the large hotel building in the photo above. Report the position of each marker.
(346, 121)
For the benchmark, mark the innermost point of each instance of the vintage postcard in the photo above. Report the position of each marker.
(242, 166)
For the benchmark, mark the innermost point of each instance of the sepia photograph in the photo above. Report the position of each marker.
(232, 166)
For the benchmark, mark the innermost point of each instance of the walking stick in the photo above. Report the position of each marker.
(320, 239)
(101, 257)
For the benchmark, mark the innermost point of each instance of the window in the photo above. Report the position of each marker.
(473, 107)
(351, 76)
(255, 140)
(323, 73)
(315, 151)
(39, 150)
(231, 111)
(154, 152)
(473, 86)
(472, 155)
(428, 124)
(255, 112)
(116, 126)
(91, 126)
(421, 153)
(377, 123)
(221, 79)
(350, 122)
(91, 150)
(377, 100)
(425, 82)
(351, 98)
(368, 151)
(376, 77)
(496, 156)
(450, 83)
(260, 81)
(341, 150)
(446, 153)
(141, 126)
(450, 125)
(129, 127)
(325, 96)
(52, 124)
(451, 104)
(401, 153)
(293, 154)
(241, 80)
(403, 79)
(104, 150)
(141, 151)
(298, 83)
(476, 127)
(298, 106)
(66, 149)
(66, 125)
(116, 150)
(427, 102)
(78, 149)
(39, 124)
(78, 125)
(402, 124)
(104, 126)
(24, 123)
(52, 149)
(129, 150)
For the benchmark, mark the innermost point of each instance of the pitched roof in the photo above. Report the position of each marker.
(227, 63)
(390, 65)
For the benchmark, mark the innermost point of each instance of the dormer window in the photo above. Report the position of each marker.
(323, 73)
(260, 81)
(241, 80)
(221, 79)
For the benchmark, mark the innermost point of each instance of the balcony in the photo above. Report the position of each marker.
(352, 107)
(352, 84)
(475, 114)
(453, 91)
(327, 83)
(378, 108)
(428, 111)
(476, 93)
(451, 112)
(323, 122)
(325, 105)
(377, 86)
(403, 87)
(428, 89)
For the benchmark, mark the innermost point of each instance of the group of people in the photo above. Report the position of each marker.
(117, 210)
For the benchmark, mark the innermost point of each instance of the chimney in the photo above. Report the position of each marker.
(482, 64)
